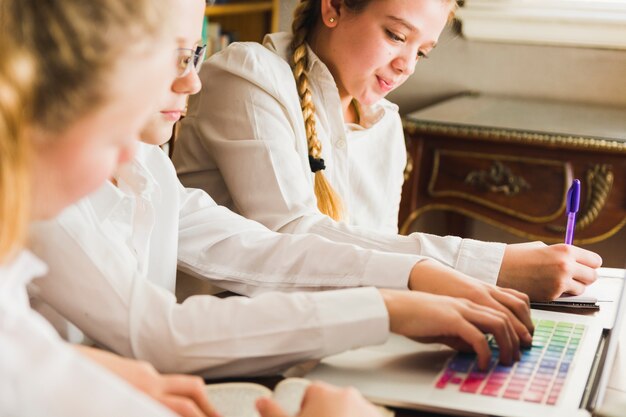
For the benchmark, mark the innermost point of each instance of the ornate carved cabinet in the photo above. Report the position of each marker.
(509, 163)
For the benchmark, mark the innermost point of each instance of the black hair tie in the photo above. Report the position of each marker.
(316, 164)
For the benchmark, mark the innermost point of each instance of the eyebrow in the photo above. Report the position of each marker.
(408, 26)
(403, 23)
(182, 40)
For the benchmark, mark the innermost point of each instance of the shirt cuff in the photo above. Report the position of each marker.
(389, 270)
(351, 318)
(481, 260)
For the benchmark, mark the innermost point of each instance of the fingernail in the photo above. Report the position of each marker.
(528, 339)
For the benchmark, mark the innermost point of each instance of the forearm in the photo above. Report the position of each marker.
(243, 256)
(475, 258)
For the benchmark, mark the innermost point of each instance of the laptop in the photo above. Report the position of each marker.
(564, 373)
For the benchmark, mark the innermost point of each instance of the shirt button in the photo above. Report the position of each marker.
(340, 144)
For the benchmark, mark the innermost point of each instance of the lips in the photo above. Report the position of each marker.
(172, 115)
(385, 84)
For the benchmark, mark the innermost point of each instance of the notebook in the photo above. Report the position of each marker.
(564, 373)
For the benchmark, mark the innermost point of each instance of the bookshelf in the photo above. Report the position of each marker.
(246, 20)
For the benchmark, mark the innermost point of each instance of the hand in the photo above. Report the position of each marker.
(456, 322)
(434, 278)
(324, 400)
(545, 272)
(183, 394)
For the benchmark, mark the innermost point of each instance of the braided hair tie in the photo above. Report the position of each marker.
(317, 164)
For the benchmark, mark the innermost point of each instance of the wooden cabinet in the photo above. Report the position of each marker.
(509, 162)
(250, 20)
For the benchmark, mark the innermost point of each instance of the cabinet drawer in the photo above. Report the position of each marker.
(509, 184)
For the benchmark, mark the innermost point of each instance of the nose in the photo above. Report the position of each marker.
(189, 84)
(405, 62)
(404, 66)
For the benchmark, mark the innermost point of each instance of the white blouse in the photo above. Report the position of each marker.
(113, 256)
(243, 141)
(43, 376)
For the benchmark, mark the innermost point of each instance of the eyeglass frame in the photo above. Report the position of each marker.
(198, 55)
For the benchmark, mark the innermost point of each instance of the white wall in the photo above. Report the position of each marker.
(561, 73)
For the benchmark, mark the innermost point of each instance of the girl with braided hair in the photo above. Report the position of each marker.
(297, 135)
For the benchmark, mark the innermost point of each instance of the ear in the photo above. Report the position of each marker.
(331, 11)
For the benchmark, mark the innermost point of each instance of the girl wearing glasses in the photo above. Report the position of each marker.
(296, 134)
(56, 144)
(129, 236)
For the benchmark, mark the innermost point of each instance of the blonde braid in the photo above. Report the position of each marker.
(305, 16)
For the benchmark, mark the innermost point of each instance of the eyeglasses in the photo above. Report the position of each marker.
(190, 58)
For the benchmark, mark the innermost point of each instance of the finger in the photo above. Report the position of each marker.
(191, 387)
(517, 294)
(574, 287)
(584, 274)
(182, 406)
(476, 339)
(517, 329)
(586, 257)
(269, 408)
(519, 312)
(315, 390)
(498, 324)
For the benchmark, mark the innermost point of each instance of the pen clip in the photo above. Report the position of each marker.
(573, 197)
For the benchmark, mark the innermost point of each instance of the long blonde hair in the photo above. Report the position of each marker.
(75, 44)
(72, 47)
(306, 16)
(16, 82)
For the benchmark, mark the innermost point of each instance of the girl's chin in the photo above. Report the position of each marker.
(370, 99)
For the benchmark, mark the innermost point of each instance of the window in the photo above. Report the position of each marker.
(586, 23)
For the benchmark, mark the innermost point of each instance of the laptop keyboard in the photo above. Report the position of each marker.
(538, 377)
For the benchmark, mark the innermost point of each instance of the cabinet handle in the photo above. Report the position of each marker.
(498, 179)
(599, 183)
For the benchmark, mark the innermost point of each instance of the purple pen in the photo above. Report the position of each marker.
(573, 202)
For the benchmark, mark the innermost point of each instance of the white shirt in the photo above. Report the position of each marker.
(243, 141)
(112, 260)
(43, 376)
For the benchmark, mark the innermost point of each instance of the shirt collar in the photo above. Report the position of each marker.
(133, 179)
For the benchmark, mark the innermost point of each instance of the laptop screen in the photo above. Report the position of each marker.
(611, 348)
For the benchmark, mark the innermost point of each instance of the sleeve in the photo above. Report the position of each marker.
(117, 308)
(251, 138)
(43, 376)
(245, 257)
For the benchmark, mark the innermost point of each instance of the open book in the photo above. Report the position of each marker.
(237, 399)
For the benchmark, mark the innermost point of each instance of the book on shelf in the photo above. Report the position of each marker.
(218, 39)
(238, 399)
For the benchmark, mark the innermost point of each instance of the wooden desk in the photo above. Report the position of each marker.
(509, 162)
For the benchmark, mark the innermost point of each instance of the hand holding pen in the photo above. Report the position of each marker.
(573, 203)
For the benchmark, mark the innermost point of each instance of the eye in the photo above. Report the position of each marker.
(393, 36)
(183, 61)
(421, 55)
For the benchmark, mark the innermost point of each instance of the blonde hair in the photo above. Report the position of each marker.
(72, 47)
(75, 45)
(306, 16)
(16, 82)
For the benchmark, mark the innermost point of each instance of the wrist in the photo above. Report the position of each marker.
(392, 304)
(421, 273)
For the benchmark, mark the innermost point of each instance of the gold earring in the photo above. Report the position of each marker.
(331, 20)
